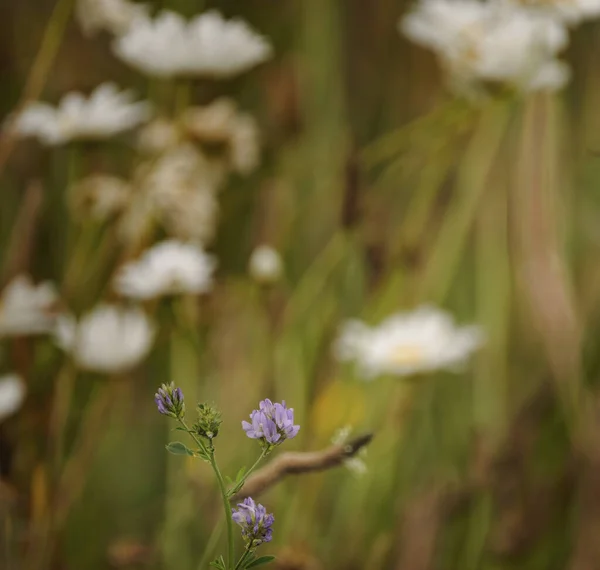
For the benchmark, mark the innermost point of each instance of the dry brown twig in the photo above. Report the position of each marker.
(294, 463)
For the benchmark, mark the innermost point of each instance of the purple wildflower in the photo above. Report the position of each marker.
(169, 401)
(271, 423)
(256, 523)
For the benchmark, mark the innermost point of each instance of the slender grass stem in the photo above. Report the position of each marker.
(41, 67)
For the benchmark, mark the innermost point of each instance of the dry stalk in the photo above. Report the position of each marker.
(294, 463)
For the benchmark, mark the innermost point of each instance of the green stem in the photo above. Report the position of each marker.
(249, 472)
(227, 507)
(195, 437)
(243, 558)
(224, 495)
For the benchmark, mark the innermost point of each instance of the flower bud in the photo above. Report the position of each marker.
(169, 401)
(209, 421)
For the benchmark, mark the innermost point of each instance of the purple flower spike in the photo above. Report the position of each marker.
(256, 523)
(169, 401)
(271, 423)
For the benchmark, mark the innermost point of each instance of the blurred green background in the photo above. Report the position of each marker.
(381, 191)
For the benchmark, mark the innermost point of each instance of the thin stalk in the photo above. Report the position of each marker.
(254, 466)
(40, 68)
(243, 558)
(59, 416)
(227, 507)
(224, 495)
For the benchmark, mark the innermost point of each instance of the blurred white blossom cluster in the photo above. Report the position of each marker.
(163, 214)
(508, 43)
(420, 341)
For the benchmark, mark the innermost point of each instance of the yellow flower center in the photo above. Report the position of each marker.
(406, 355)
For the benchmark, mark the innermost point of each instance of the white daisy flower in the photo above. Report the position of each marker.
(490, 42)
(423, 340)
(27, 309)
(109, 339)
(571, 12)
(114, 16)
(208, 46)
(106, 112)
(12, 394)
(265, 265)
(168, 268)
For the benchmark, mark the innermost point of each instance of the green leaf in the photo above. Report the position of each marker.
(178, 448)
(218, 563)
(179, 428)
(240, 473)
(228, 480)
(260, 561)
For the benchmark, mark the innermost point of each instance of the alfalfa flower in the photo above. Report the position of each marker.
(207, 45)
(256, 523)
(168, 268)
(109, 339)
(106, 112)
(169, 400)
(422, 340)
(27, 309)
(272, 423)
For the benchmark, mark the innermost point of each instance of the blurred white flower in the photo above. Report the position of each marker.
(158, 136)
(12, 394)
(356, 464)
(265, 265)
(568, 11)
(178, 189)
(245, 148)
(109, 339)
(114, 16)
(100, 196)
(490, 42)
(106, 112)
(221, 123)
(168, 268)
(26, 308)
(422, 340)
(208, 45)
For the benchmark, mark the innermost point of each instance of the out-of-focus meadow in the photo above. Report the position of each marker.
(382, 190)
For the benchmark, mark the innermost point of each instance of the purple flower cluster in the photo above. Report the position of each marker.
(169, 401)
(271, 423)
(255, 522)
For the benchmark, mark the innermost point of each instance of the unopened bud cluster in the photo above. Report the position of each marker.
(169, 401)
(209, 421)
